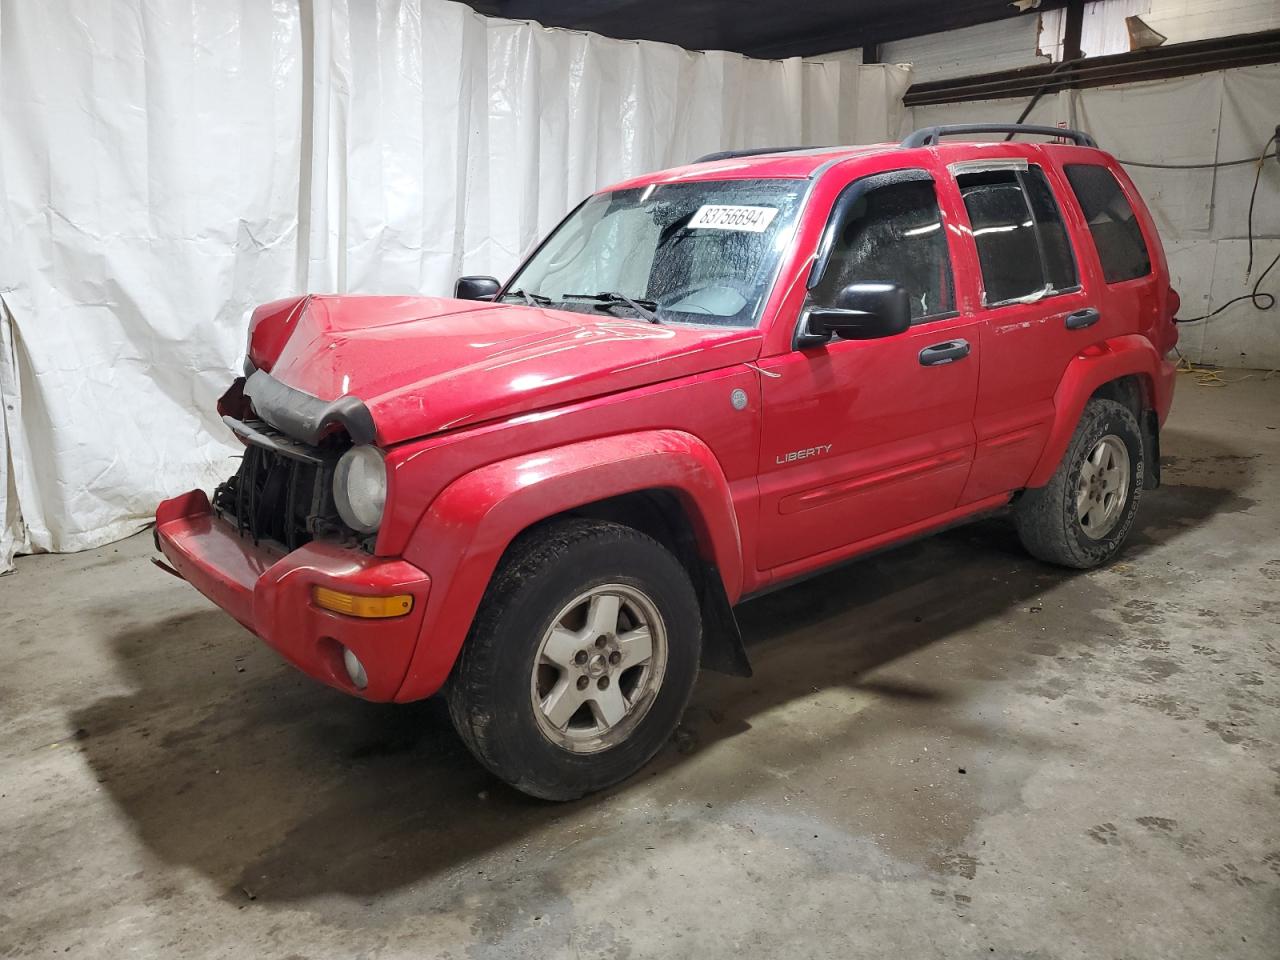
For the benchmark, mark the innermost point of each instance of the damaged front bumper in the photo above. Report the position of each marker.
(273, 594)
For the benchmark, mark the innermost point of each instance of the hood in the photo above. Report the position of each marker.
(426, 364)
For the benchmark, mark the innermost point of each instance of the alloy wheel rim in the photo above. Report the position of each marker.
(1103, 488)
(598, 668)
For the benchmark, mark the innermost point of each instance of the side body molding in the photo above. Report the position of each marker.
(464, 532)
(1130, 355)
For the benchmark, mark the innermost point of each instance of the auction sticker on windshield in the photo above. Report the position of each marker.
(713, 216)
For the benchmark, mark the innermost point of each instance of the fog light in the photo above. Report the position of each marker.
(355, 669)
(354, 605)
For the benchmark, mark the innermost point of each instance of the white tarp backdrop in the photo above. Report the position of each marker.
(1205, 118)
(165, 165)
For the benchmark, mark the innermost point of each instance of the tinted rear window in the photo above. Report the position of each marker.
(1112, 222)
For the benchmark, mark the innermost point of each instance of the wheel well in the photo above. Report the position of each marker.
(662, 515)
(1134, 391)
(655, 513)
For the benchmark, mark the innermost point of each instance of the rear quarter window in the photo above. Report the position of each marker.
(1112, 222)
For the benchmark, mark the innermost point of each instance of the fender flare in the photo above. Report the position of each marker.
(463, 534)
(1095, 365)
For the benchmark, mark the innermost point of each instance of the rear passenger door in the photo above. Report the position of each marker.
(1035, 312)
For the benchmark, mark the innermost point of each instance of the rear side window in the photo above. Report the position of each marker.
(1023, 247)
(1112, 222)
(894, 234)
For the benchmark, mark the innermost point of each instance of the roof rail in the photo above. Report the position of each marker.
(928, 136)
(753, 152)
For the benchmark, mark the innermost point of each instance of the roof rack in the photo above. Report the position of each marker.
(753, 152)
(925, 137)
(928, 136)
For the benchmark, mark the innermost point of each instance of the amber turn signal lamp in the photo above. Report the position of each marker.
(353, 605)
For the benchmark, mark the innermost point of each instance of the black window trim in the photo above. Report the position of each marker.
(1021, 171)
(935, 317)
(847, 196)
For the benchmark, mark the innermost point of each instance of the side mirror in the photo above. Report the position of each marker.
(476, 288)
(862, 311)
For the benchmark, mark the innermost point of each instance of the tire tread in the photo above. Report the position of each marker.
(1043, 514)
(473, 704)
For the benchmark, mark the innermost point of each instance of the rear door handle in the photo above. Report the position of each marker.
(1083, 318)
(948, 352)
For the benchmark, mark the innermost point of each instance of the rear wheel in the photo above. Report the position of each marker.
(580, 660)
(1083, 515)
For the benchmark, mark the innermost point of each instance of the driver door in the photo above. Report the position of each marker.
(862, 439)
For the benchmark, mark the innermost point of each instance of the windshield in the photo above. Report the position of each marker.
(694, 252)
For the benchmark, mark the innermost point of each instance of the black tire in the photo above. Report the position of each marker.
(1047, 517)
(489, 692)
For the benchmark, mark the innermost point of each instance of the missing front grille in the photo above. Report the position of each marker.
(280, 499)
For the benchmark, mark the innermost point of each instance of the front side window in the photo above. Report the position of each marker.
(1112, 222)
(893, 234)
(691, 252)
(1023, 247)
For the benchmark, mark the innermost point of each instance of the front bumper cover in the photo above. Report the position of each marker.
(270, 592)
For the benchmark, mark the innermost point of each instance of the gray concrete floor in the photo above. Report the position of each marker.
(948, 750)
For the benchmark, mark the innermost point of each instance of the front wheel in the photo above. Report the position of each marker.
(1082, 516)
(580, 661)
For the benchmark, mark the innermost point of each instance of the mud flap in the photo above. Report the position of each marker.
(166, 568)
(722, 647)
(1150, 425)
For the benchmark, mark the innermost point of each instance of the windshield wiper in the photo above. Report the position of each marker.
(607, 299)
(532, 299)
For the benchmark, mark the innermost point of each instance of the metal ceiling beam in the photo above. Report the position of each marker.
(1072, 30)
(1176, 60)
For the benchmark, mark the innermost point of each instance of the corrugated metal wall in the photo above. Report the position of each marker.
(1018, 42)
(1004, 45)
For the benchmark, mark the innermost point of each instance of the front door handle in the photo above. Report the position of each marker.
(947, 352)
(1083, 318)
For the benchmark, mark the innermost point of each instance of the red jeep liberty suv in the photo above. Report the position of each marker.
(544, 499)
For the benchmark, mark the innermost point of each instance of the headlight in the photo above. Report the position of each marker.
(360, 488)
